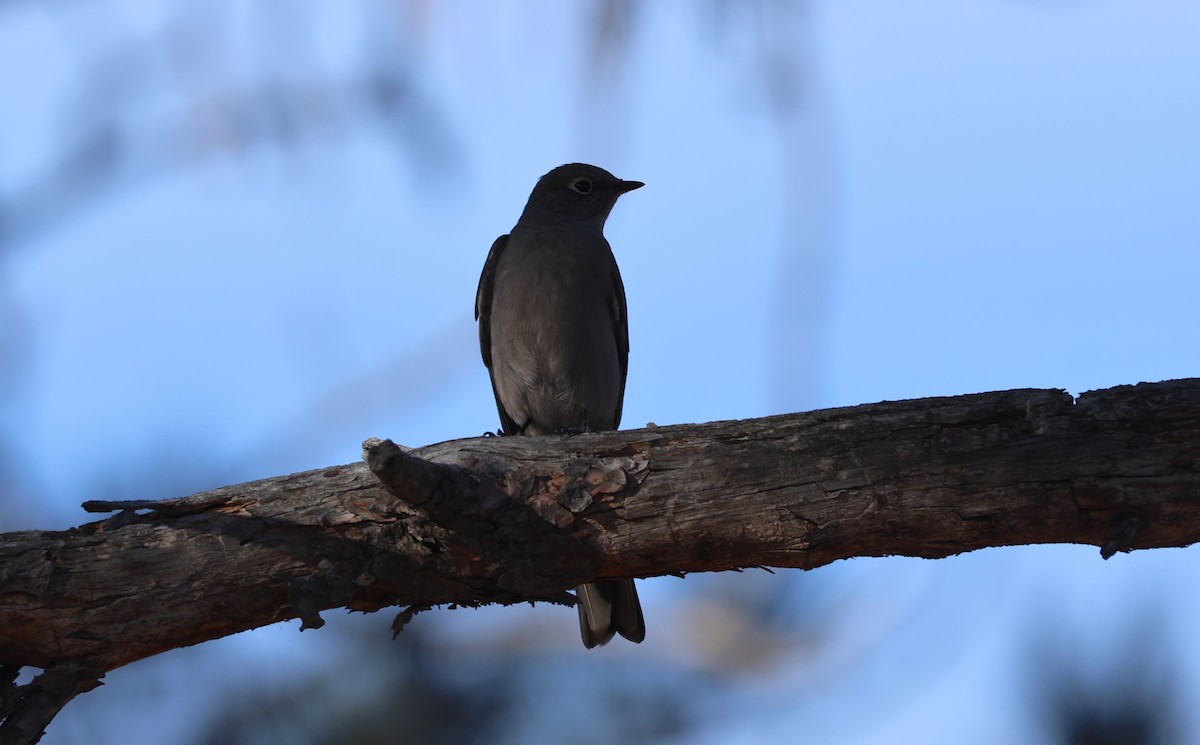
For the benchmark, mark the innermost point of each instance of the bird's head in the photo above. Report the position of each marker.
(576, 192)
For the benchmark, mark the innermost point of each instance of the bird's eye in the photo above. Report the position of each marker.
(581, 185)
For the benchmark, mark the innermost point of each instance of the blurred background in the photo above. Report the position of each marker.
(238, 237)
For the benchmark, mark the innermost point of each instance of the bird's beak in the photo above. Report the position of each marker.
(624, 186)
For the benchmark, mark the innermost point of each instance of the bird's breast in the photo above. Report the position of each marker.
(554, 344)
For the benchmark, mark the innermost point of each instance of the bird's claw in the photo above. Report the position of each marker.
(573, 431)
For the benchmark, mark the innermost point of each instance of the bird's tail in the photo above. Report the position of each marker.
(609, 607)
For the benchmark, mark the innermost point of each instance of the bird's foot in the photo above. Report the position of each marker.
(573, 431)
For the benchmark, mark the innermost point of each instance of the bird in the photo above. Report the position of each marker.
(554, 337)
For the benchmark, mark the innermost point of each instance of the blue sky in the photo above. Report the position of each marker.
(982, 195)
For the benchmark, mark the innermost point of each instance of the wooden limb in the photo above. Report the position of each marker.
(511, 519)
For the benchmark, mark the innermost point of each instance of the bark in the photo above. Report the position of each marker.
(503, 520)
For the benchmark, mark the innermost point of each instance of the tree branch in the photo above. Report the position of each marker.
(504, 520)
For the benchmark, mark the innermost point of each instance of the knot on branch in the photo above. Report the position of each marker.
(532, 528)
(335, 583)
(1122, 537)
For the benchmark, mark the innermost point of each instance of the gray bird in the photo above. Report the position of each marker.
(555, 339)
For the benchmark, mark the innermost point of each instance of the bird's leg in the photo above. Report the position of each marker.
(582, 429)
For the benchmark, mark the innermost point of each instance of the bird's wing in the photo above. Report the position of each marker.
(483, 299)
(483, 314)
(620, 317)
